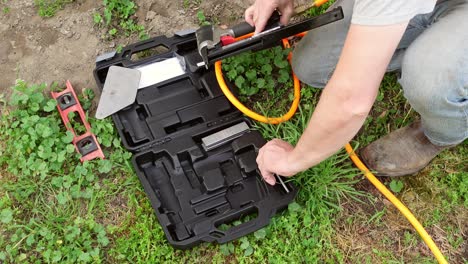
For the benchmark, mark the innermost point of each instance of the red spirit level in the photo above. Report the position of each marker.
(85, 144)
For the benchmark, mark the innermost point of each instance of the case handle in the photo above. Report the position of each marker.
(235, 232)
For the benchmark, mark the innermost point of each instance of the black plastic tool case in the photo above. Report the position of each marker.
(193, 191)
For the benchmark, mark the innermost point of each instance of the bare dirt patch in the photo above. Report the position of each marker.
(45, 50)
(65, 46)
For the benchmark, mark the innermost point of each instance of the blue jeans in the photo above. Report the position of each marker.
(432, 57)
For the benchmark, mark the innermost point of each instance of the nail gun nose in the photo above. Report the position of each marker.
(205, 40)
(204, 55)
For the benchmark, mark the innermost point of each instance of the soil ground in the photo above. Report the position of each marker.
(46, 50)
(65, 46)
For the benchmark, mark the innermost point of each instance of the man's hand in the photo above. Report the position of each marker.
(273, 159)
(258, 14)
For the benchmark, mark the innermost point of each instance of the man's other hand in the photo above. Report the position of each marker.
(273, 159)
(258, 14)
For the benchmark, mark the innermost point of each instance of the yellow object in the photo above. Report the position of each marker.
(398, 204)
(320, 2)
(276, 120)
(252, 114)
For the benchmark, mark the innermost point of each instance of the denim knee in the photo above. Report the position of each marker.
(316, 55)
(308, 68)
(420, 87)
(434, 86)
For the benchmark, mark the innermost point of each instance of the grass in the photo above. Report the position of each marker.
(189, 3)
(48, 8)
(52, 205)
(202, 18)
(4, 6)
(118, 17)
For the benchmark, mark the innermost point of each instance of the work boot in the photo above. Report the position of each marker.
(402, 152)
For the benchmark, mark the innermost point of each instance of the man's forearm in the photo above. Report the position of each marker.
(333, 124)
(349, 95)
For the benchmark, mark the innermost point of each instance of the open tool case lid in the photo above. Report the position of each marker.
(194, 153)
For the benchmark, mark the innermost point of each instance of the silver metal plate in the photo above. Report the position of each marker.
(219, 138)
(160, 71)
(120, 90)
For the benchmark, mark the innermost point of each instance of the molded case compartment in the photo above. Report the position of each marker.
(167, 110)
(193, 191)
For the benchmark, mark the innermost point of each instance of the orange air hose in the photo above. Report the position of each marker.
(250, 113)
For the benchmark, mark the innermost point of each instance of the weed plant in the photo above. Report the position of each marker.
(263, 76)
(48, 8)
(118, 16)
(202, 21)
(52, 206)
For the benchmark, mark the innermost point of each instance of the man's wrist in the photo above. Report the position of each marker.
(299, 161)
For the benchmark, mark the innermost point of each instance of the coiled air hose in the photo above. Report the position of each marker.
(367, 173)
